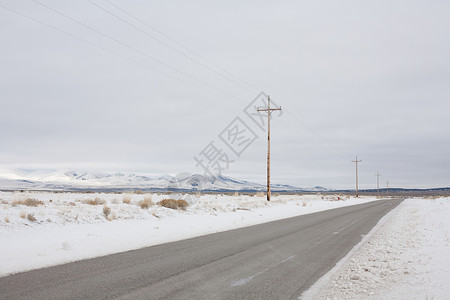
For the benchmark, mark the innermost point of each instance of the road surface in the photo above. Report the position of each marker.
(275, 260)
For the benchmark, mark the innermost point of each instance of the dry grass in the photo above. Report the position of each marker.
(182, 204)
(304, 203)
(126, 199)
(106, 211)
(260, 194)
(139, 192)
(174, 204)
(96, 201)
(146, 203)
(169, 203)
(6, 219)
(28, 202)
(31, 218)
(23, 214)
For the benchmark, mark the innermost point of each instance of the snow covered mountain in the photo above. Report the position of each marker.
(77, 180)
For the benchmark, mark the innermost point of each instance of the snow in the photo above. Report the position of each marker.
(68, 229)
(79, 180)
(406, 256)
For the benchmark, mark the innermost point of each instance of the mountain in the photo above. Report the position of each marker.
(78, 180)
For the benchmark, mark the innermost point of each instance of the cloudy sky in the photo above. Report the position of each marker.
(146, 86)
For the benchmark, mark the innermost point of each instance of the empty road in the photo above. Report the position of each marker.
(276, 260)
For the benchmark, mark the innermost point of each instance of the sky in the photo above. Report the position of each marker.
(164, 87)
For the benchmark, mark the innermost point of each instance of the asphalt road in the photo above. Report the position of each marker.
(276, 260)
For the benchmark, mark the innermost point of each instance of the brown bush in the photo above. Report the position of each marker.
(169, 203)
(182, 204)
(126, 199)
(106, 211)
(146, 203)
(28, 202)
(31, 218)
(96, 201)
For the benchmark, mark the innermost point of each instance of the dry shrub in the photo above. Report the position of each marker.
(23, 214)
(182, 204)
(169, 203)
(96, 201)
(27, 202)
(3, 201)
(139, 192)
(260, 194)
(31, 218)
(6, 219)
(146, 203)
(304, 203)
(106, 211)
(126, 199)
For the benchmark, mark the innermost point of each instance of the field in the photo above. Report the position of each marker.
(407, 248)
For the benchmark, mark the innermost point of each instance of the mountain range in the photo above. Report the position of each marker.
(93, 181)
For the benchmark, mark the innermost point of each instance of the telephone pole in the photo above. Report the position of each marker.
(269, 112)
(378, 184)
(387, 188)
(356, 162)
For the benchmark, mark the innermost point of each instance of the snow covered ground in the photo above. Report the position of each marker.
(407, 256)
(65, 227)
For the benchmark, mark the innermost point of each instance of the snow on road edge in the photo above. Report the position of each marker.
(406, 257)
(313, 292)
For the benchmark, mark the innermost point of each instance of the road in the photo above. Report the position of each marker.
(275, 260)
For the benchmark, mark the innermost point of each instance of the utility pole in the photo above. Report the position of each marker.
(378, 184)
(387, 188)
(356, 162)
(269, 112)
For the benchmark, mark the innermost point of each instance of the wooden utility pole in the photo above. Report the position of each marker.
(269, 112)
(357, 161)
(387, 188)
(378, 184)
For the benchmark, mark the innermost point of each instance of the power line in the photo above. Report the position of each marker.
(387, 188)
(378, 184)
(269, 113)
(183, 46)
(136, 50)
(103, 48)
(169, 46)
(356, 162)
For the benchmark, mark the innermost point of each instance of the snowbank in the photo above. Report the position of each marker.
(407, 257)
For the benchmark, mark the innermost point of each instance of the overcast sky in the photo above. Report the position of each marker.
(103, 93)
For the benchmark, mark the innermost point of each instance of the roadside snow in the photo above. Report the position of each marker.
(406, 257)
(67, 228)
